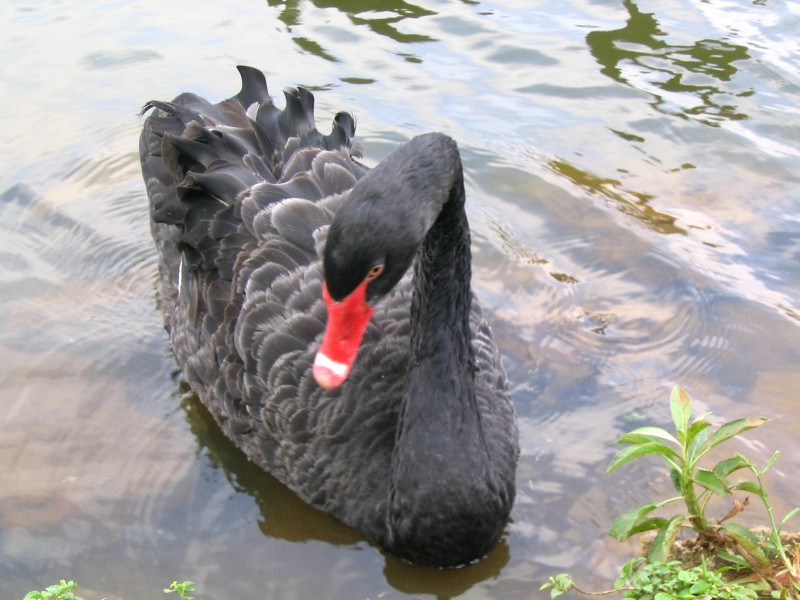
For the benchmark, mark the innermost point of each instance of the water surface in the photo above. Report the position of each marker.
(632, 178)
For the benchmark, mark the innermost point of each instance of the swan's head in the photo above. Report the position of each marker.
(373, 240)
(361, 265)
(371, 243)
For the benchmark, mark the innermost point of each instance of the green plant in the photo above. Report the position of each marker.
(182, 589)
(697, 485)
(60, 591)
(772, 559)
(560, 584)
(643, 580)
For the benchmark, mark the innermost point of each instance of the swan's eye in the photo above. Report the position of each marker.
(374, 272)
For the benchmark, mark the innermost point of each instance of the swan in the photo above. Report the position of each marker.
(322, 312)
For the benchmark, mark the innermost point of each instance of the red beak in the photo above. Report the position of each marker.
(347, 321)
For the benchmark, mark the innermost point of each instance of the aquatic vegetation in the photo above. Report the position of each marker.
(769, 560)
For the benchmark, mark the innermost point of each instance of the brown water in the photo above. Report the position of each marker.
(633, 174)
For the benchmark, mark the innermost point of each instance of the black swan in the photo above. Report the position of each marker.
(373, 390)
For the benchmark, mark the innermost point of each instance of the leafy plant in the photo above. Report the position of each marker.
(774, 562)
(182, 589)
(561, 584)
(643, 580)
(60, 591)
(63, 591)
(697, 485)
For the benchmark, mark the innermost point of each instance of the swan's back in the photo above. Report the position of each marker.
(241, 197)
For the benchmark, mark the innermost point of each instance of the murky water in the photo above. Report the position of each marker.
(633, 175)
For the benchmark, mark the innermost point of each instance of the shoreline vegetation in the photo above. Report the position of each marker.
(687, 554)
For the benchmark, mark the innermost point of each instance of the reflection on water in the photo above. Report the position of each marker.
(382, 18)
(377, 20)
(677, 75)
(629, 202)
(584, 130)
(283, 516)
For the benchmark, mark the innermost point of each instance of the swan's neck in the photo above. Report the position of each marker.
(440, 378)
(442, 495)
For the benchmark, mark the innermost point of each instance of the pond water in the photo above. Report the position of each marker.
(633, 172)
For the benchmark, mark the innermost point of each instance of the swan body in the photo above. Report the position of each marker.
(323, 313)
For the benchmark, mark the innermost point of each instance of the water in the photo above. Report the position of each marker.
(632, 179)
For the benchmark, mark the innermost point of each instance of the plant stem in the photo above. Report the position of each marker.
(692, 505)
(602, 593)
(775, 534)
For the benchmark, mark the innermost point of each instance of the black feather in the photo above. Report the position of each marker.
(418, 448)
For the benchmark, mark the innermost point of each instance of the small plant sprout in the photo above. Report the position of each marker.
(697, 485)
(559, 584)
(182, 589)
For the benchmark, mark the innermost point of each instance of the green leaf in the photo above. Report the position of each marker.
(627, 571)
(650, 524)
(57, 591)
(734, 428)
(557, 585)
(647, 434)
(748, 541)
(728, 466)
(770, 462)
(677, 480)
(696, 428)
(699, 587)
(711, 481)
(748, 463)
(750, 486)
(623, 526)
(790, 514)
(734, 559)
(696, 443)
(681, 407)
(631, 452)
(662, 543)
